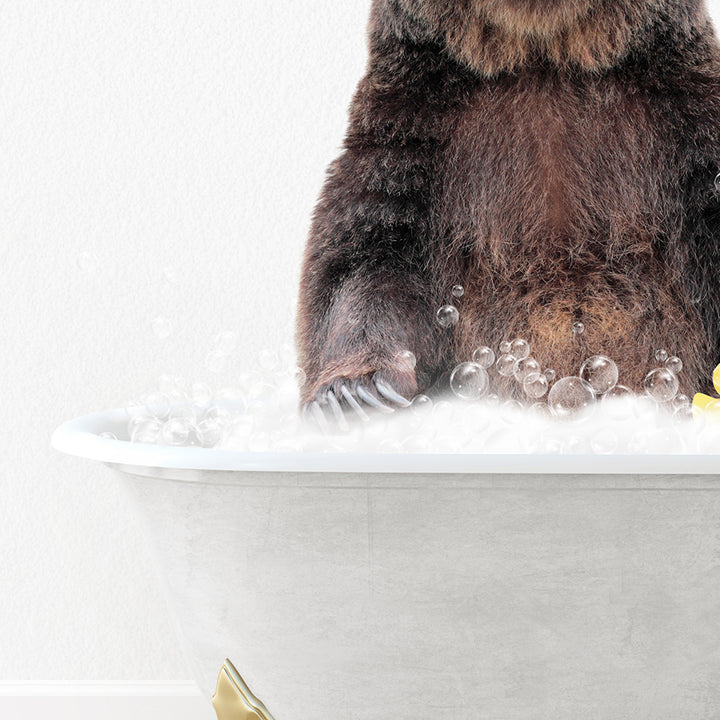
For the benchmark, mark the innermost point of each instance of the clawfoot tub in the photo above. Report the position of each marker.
(360, 587)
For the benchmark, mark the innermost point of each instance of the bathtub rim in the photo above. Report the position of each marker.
(80, 437)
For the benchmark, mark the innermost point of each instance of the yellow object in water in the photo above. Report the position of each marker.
(233, 700)
(709, 406)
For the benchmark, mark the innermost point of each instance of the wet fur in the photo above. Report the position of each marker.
(559, 164)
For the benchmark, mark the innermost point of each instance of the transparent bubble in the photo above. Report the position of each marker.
(511, 412)
(447, 316)
(87, 262)
(617, 402)
(458, 291)
(683, 412)
(680, 401)
(145, 430)
(578, 328)
(108, 436)
(176, 431)
(674, 364)
(421, 405)
(469, 381)
(506, 365)
(717, 183)
(162, 327)
(405, 360)
(157, 404)
(661, 355)
(201, 394)
(600, 372)
(216, 361)
(505, 347)
(550, 375)
(527, 369)
(219, 413)
(519, 348)
(225, 342)
(539, 410)
(443, 409)
(300, 376)
(210, 431)
(571, 397)
(536, 387)
(185, 412)
(484, 357)
(661, 384)
(134, 407)
(604, 442)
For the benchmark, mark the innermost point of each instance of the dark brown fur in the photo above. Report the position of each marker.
(555, 158)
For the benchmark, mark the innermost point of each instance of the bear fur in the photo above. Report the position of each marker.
(556, 158)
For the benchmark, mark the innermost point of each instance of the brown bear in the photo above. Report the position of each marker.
(557, 159)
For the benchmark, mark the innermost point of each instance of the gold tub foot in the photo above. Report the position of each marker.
(233, 700)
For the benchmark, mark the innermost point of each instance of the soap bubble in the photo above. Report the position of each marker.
(661, 355)
(299, 376)
(505, 347)
(674, 364)
(616, 402)
(87, 262)
(458, 291)
(108, 436)
(162, 327)
(186, 412)
(506, 365)
(176, 431)
(405, 360)
(600, 372)
(571, 397)
(145, 430)
(527, 369)
(717, 183)
(201, 395)
(210, 431)
(536, 387)
(578, 328)
(421, 405)
(519, 348)
(661, 384)
(157, 404)
(511, 411)
(484, 357)
(469, 381)
(680, 401)
(447, 316)
(550, 375)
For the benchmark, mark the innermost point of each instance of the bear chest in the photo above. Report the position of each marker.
(535, 162)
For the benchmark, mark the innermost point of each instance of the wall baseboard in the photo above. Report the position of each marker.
(109, 702)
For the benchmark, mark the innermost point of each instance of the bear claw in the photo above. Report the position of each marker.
(328, 409)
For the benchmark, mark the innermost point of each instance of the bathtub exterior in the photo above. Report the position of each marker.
(361, 596)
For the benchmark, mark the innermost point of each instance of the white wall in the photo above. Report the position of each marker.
(183, 135)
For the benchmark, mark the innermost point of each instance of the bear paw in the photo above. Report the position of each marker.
(382, 391)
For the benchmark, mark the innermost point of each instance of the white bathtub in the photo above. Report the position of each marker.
(361, 587)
